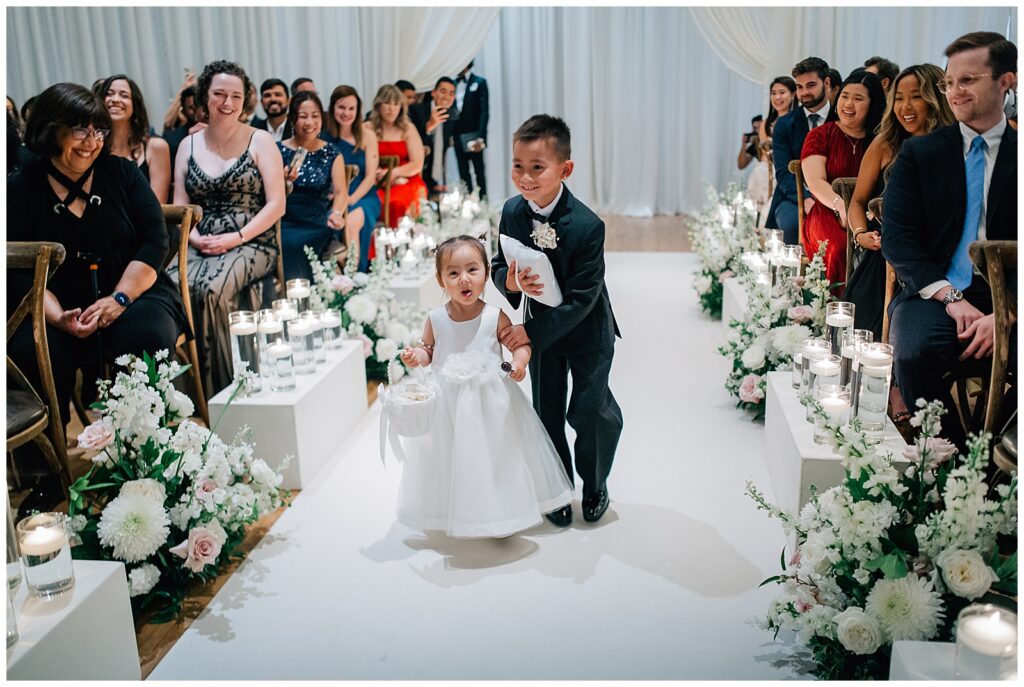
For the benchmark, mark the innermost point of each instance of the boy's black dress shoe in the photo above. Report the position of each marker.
(594, 505)
(561, 517)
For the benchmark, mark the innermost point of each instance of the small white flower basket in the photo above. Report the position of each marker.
(408, 408)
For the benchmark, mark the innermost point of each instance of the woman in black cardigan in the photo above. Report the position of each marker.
(103, 211)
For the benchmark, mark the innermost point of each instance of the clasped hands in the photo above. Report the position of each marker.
(215, 244)
(972, 326)
(99, 315)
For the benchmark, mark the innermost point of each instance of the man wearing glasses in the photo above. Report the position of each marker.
(948, 189)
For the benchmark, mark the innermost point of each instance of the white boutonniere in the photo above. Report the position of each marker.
(545, 237)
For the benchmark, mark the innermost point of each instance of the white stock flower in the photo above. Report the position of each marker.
(361, 308)
(906, 609)
(360, 279)
(145, 487)
(386, 349)
(857, 631)
(134, 526)
(142, 579)
(965, 573)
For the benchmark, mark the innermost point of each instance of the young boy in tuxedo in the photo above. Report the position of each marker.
(576, 338)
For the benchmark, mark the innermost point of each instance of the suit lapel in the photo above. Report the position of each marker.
(1003, 173)
(956, 176)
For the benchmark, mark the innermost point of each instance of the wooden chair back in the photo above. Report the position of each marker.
(351, 172)
(797, 171)
(843, 187)
(766, 148)
(875, 208)
(180, 221)
(994, 259)
(280, 259)
(389, 162)
(42, 258)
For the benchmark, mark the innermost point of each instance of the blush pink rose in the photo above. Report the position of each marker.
(342, 283)
(749, 391)
(367, 345)
(727, 274)
(96, 436)
(202, 546)
(800, 313)
(939, 451)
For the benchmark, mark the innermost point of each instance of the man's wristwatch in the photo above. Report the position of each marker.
(952, 296)
(122, 299)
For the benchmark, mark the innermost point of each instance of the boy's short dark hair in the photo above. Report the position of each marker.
(404, 85)
(546, 126)
(835, 79)
(443, 79)
(270, 83)
(887, 69)
(1002, 54)
(63, 105)
(811, 64)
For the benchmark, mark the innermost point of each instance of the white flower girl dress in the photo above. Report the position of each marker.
(487, 468)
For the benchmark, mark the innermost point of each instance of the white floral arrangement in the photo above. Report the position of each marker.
(165, 496)
(724, 230)
(890, 555)
(772, 330)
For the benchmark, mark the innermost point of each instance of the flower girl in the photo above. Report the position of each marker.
(486, 468)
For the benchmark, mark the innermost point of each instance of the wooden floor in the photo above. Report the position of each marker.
(649, 234)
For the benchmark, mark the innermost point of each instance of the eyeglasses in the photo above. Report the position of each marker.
(80, 133)
(964, 82)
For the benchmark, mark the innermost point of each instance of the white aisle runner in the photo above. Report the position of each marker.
(664, 587)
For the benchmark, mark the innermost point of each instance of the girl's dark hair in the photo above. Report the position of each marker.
(213, 69)
(344, 91)
(891, 132)
(769, 122)
(448, 246)
(876, 101)
(63, 105)
(298, 99)
(139, 123)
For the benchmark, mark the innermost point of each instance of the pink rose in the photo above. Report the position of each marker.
(800, 313)
(202, 546)
(342, 283)
(367, 345)
(803, 606)
(749, 389)
(939, 451)
(96, 436)
(727, 274)
(797, 281)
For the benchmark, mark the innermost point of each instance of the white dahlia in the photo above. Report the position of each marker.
(361, 308)
(142, 579)
(134, 525)
(906, 609)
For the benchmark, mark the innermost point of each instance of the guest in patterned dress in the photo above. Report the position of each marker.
(397, 135)
(358, 144)
(234, 173)
(834, 150)
(316, 204)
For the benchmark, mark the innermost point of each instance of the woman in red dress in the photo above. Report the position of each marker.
(834, 150)
(396, 135)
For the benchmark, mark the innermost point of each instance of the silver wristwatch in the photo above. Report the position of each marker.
(952, 296)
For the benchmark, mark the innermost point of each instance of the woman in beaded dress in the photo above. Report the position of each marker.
(234, 172)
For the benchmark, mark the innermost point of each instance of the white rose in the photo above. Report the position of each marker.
(753, 357)
(145, 487)
(398, 331)
(386, 349)
(264, 474)
(857, 631)
(965, 572)
(361, 308)
(702, 284)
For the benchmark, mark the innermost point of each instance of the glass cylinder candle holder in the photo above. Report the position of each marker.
(811, 350)
(245, 349)
(751, 259)
(986, 643)
(852, 342)
(300, 336)
(333, 333)
(282, 366)
(790, 265)
(298, 290)
(13, 555)
(317, 327)
(46, 554)
(823, 371)
(268, 329)
(286, 310)
(838, 321)
(12, 621)
(874, 372)
(834, 399)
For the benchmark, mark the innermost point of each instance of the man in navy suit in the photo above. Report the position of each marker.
(812, 87)
(274, 98)
(472, 99)
(946, 190)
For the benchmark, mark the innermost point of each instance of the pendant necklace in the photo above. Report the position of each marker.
(852, 142)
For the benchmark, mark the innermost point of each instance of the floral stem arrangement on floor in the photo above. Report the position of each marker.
(894, 555)
(772, 330)
(725, 229)
(165, 496)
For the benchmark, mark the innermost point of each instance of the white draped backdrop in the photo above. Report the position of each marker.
(656, 97)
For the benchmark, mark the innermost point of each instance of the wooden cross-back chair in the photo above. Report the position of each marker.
(180, 221)
(389, 162)
(797, 171)
(29, 417)
(843, 187)
(766, 148)
(280, 261)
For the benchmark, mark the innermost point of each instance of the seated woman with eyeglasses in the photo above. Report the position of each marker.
(101, 208)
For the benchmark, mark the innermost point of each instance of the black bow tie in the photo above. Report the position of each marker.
(538, 217)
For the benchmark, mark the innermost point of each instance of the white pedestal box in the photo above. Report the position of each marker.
(922, 661)
(86, 633)
(307, 423)
(795, 462)
(420, 288)
(734, 301)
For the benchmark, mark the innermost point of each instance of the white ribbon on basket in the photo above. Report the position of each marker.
(388, 430)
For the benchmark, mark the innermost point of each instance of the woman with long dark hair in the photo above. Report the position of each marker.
(129, 133)
(781, 94)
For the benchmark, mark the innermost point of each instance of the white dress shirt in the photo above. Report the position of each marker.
(437, 167)
(992, 138)
(547, 209)
(822, 113)
(277, 133)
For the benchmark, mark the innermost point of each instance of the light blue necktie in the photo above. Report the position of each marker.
(960, 269)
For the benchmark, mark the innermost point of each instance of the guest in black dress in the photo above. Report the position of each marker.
(129, 133)
(101, 209)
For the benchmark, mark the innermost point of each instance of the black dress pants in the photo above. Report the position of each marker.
(464, 159)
